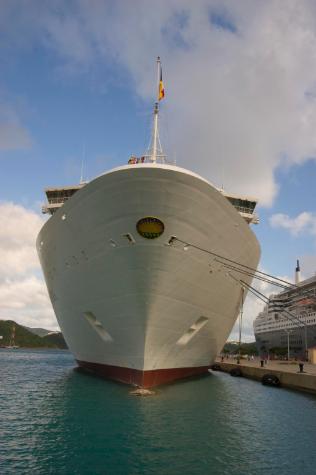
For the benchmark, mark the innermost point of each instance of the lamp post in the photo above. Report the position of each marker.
(240, 323)
(288, 344)
(305, 337)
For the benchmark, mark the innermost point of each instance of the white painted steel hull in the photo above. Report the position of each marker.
(134, 306)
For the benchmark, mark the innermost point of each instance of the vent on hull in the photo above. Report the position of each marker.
(97, 326)
(189, 334)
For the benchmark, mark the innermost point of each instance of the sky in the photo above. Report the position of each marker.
(77, 81)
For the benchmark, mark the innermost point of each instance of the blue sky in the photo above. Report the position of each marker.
(67, 118)
(77, 79)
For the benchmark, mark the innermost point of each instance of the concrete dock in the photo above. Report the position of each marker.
(288, 373)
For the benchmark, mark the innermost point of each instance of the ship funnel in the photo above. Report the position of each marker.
(297, 272)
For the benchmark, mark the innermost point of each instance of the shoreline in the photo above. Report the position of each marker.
(34, 348)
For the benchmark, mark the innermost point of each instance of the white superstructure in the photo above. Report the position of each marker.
(289, 318)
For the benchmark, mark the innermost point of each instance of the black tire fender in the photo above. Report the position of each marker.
(236, 372)
(216, 367)
(269, 379)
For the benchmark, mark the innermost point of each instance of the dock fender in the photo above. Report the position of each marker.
(235, 372)
(216, 367)
(270, 380)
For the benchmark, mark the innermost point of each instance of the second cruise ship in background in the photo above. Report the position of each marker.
(289, 319)
(135, 297)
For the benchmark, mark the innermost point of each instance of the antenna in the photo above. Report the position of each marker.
(82, 181)
(81, 174)
(155, 151)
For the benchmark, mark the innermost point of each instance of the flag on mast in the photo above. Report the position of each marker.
(161, 90)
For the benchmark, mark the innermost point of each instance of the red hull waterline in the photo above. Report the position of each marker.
(142, 379)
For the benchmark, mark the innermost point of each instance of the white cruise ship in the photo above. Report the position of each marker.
(135, 302)
(288, 321)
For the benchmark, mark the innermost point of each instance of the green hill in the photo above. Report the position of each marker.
(38, 331)
(26, 339)
(56, 339)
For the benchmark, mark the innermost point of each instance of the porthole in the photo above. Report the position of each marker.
(150, 227)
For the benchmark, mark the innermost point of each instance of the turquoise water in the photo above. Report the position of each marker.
(54, 420)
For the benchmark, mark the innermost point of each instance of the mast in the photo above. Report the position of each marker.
(82, 180)
(81, 174)
(155, 150)
(154, 147)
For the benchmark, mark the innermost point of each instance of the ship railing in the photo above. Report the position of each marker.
(58, 200)
(160, 158)
(245, 210)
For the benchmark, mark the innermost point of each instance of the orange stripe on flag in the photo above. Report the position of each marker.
(161, 94)
(161, 90)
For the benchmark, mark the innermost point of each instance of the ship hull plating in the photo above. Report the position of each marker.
(140, 310)
(140, 378)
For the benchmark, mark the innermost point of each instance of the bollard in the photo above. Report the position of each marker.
(301, 366)
(261, 363)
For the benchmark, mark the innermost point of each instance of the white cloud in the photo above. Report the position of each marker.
(239, 76)
(17, 239)
(304, 222)
(26, 301)
(23, 295)
(240, 99)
